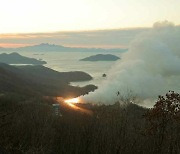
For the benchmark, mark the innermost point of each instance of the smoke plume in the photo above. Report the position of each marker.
(151, 66)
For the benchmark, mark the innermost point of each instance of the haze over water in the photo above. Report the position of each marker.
(70, 61)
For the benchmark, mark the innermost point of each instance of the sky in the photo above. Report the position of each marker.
(88, 39)
(55, 16)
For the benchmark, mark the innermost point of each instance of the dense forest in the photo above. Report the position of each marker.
(29, 125)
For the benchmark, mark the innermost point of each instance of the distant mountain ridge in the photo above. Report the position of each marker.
(44, 47)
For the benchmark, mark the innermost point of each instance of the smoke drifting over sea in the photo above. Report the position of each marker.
(151, 66)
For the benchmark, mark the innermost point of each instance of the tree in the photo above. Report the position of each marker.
(163, 117)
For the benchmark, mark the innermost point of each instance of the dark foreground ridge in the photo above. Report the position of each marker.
(15, 58)
(101, 57)
(29, 125)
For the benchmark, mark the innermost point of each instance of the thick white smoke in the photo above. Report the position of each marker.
(151, 66)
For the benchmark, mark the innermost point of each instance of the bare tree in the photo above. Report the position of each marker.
(163, 119)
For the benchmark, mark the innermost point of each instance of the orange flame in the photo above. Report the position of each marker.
(72, 103)
(73, 100)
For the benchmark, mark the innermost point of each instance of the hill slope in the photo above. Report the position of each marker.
(15, 58)
(39, 80)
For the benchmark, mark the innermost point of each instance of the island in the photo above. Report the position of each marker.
(15, 58)
(104, 75)
(101, 57)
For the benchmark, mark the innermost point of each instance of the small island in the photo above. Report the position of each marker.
(104, 75)
(15, 58)
(101, 57)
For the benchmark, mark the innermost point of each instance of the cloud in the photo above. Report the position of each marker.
(151, 66)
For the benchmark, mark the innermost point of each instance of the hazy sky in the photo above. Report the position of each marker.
(23, 16)
(119, 38)
(85, 23)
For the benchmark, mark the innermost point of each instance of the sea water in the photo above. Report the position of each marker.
(70, 61)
